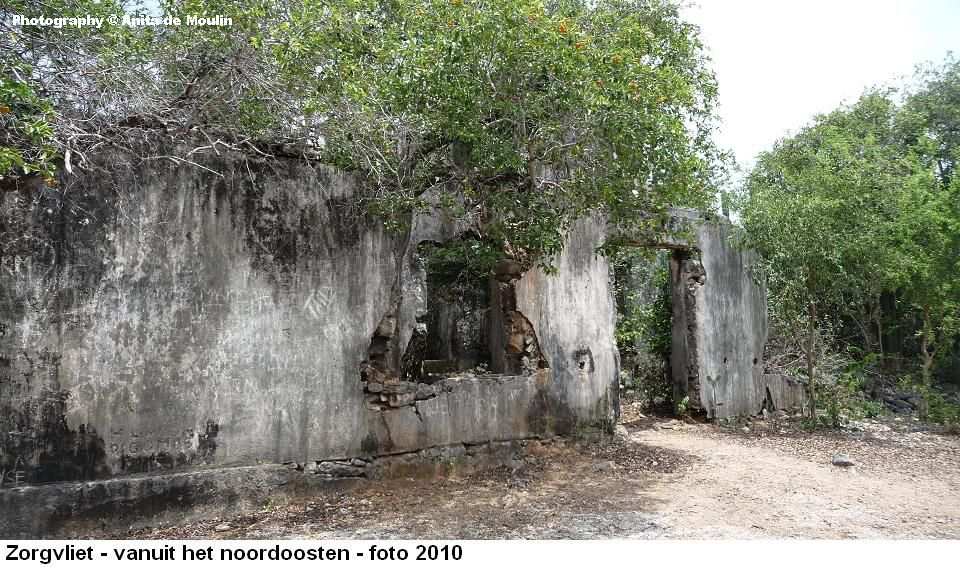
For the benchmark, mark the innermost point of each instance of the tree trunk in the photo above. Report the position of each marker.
(865, 328)
(879, 319)
(928, 349)
(865, 324)
(811, 360)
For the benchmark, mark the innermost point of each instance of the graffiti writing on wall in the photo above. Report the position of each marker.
(146, 451)
(148, 442)
(14, 476)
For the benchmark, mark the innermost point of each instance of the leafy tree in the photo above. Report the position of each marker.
(25, 125)
(816, 211)
(932, 114)
(928, 228)
(535, 113)
(528, 113)
(926, 232)
(862, 203)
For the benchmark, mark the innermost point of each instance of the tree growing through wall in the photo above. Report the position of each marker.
(533, 113)
(524, 114)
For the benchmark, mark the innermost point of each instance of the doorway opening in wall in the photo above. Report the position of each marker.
(644, 296)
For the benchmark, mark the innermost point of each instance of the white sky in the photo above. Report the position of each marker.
(780, 62)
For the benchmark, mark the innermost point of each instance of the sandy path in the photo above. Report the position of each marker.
(757, 489)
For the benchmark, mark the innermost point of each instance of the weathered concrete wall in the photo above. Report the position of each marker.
(164, 317)
(116, 505)
(574, 314)
(187, 318)
(69, 510)
(720, 328)
(731, 311)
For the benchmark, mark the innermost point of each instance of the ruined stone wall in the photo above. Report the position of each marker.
(731, 310)
(720, 328)
(574, 314)
(162, 317)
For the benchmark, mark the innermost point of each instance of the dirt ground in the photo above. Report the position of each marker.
(657, 478)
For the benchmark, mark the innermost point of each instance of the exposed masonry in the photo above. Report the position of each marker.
(515, 349)
(390, 379)
(688, 277)
(419, 462)
(523, 349)
(381, 372)
(382, 396)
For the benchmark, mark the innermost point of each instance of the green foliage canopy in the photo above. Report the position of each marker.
(862, 203)
(529, 113)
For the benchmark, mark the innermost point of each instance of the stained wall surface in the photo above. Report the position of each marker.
(574, 314)
(731, 328)
(161, 317)
(720, 327)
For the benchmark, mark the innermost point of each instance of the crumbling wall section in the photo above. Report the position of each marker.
(687, 278)
(161, 316)
(573, 313)
(720, 328)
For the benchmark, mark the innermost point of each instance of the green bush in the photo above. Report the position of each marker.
(934, 408)
(844, 399)
(461, 265)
